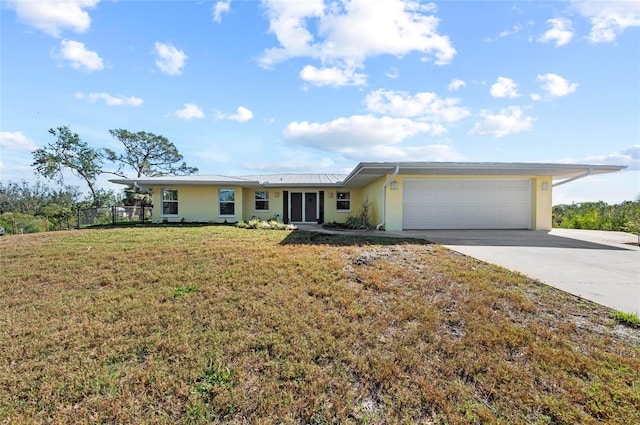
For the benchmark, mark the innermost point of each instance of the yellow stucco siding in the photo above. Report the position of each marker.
(373, 194)
(197, 204)
(331, 212)
(275, 204)
(541, 203)
(200, 203)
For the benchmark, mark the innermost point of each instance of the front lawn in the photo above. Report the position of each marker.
(226, 325)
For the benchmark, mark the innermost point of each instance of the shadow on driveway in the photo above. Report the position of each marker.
(557, 238)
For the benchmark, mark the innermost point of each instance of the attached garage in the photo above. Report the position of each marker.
(466, 204)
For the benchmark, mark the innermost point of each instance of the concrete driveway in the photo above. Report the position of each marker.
(596, 265)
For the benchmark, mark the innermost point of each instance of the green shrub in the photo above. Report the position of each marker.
(18, 223)
(628, 319)
(273, 224)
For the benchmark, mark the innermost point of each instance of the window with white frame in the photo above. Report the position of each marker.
(261, 200)
(227, 201)
(169, 201)
(343, 201)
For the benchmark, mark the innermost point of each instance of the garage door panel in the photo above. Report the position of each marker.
(466, 204)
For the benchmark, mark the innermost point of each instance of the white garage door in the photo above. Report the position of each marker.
(466, 204)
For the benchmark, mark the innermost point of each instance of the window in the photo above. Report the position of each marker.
(169, 202)
(227, 201)
(343, 201)
(262, 200)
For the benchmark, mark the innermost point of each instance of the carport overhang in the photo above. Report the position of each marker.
(367, 172)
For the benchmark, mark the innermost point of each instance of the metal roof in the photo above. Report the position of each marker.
(367, 172)
(185, 180)
(275, 180)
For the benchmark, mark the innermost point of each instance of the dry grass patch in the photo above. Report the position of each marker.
(224, 325)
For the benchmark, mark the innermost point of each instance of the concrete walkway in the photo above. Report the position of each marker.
(600, 266)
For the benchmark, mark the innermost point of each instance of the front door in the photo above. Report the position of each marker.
(311, 207)
(304, 207)
(296, 207)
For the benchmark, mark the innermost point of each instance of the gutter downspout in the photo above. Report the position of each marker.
(384, 196)
(135, 183)
(585, 174)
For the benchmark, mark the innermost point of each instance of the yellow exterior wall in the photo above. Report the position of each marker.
(275, 204)
(331, 214)
(373, 193)
(197, 204)
(541, 204)
(200, 203)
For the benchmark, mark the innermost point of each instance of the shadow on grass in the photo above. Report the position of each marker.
(153, 225)
(302, 237)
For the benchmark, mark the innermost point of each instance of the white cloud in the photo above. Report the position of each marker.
(555, 85)
(294, 161)
(189, 112)
(170, 60)
(52, 17)
(392, 73)
(242, 115)
(436, 152)
(369, 138)
(344, 34)
(561, 32)
(333, 76)
(456, 84)
(80, 57)
(608, 18)
(110, 100)
(504, 87)
(220, 8)
(16, 140)
(427, 106)
(629, 156)
(507, 121)
(514, 30)
(357, 132)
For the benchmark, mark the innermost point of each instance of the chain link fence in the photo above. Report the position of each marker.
(104, 216)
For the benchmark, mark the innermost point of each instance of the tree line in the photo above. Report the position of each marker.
(39, 207)
(623, 217)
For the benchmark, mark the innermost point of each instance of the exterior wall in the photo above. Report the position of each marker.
(275, 204)
(373, 193)
(200, 203)
(331, 213)
(393, 209)
(540, 202)
(197, 204)
(542, 206)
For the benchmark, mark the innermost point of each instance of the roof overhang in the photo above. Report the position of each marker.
(367, 172)
(149, 182)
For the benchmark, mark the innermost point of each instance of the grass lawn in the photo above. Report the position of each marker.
(224, 325)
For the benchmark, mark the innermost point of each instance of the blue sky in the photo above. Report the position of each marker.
(248, 87)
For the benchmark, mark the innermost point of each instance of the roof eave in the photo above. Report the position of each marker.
(488, 168)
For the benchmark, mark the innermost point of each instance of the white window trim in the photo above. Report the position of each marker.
(162, 201)
(268, 200)
(339, 200)
(227, 202)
